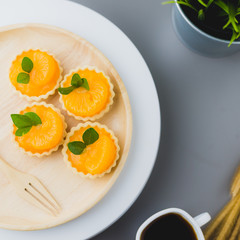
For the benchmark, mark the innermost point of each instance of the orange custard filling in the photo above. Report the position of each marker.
(97, 157)
(43, 77)
(87, 103)
(43, 137)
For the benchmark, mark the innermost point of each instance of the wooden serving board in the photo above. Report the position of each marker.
(76, 195)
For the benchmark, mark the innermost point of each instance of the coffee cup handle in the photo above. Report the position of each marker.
(202, 219)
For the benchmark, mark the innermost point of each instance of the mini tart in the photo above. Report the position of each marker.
(89, 104)
(45, 76)
(42, 139)
(96, 159)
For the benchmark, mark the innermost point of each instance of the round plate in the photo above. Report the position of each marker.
(59, 179)
(143, 98)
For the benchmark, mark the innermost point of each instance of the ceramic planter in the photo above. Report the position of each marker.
(199, 41)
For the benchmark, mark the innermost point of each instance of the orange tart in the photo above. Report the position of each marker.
(35, 74)
(91, 150)
(86, 93)
(39, 129)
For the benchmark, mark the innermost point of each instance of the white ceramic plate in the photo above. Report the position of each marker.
(143, 98)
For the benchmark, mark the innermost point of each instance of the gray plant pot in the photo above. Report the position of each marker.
(199, 41)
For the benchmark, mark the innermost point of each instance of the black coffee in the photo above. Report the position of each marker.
(169, 227)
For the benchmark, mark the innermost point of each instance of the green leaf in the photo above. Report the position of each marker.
(209, 3)
(21, 121)
(66, 90)
(181, 3)
(234, 37)
(203, 3)
(76, 80)
(201, 15)
(232, 14)
(227, 24)
(167, 2)
(76, 147)
(21, 131)
(187, 4)
(234, 25)
(34, 117)
(23, 78)
(27, 64)
(90, 136)
(85, 84)
(222, 5)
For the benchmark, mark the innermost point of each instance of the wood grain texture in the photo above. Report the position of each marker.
(76, 195)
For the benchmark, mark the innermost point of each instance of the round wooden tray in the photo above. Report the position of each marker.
(76, 195)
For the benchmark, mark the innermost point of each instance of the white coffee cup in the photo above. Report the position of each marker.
(196, 222)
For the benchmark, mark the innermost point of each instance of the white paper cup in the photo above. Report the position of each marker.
(196, 222)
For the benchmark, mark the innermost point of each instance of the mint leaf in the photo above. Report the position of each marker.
(76, 80)
(21, 121)
(90, 136)
(34, 118)
(27, 64)
(67, 90)
(76, 147)
(25, 122)
(23, 78)
(21, 131)
(85, 84)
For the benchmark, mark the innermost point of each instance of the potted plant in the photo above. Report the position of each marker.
(210, 27)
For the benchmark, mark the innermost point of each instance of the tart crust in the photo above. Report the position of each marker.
(51, 150)
(44, 96)
(107, 107)
(65, 148)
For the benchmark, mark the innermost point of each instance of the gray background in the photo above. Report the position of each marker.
(200, 110)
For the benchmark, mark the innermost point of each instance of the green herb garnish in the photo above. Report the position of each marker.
(23, 78)
(24, 122)
(76, 82)
(90, 136)
(76, 147)
(85, 83)
(67, 90)
(27, 66)
(36, 120)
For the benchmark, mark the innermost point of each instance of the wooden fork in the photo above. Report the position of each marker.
(31, 189)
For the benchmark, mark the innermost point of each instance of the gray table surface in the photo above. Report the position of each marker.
(200, 109)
